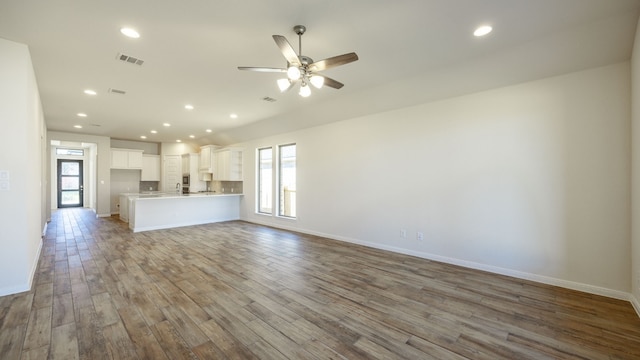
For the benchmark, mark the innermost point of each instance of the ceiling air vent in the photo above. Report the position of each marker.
(130, 59)
(268, 99)
(116, 91)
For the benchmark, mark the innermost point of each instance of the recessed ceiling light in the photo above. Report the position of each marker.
(77, 126)
(81, 114)
(129, 32)
(178, 140)
(192, 136)
(208, 130)
(166, 124)
(188, 107)
(142, 137)
(154, 132)
(482, 30)
(233, 116)
(90, 92)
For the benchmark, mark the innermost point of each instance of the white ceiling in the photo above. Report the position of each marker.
(411, 51)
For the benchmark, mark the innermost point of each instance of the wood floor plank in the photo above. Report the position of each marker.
(118, 342)
(39, 329)
(17, 313)
(91, 341)
(64, 343)
(173, 344)
(146, 345)
(62, 312)
(35, 354)
(236, 290)
(226, 342)
(43, 295)
(11, 339)
(186, 327)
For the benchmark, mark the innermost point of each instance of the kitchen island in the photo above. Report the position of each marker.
(164, 211)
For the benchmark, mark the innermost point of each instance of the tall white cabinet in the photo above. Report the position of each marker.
(191, 167)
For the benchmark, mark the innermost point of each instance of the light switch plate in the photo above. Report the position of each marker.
(4, 180)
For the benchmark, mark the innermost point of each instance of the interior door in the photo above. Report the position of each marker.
(70, 186)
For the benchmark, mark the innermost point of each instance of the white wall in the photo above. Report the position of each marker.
(22, 143)
(635, 164)
(178, 148)
(150, 148)
(123, 181)
(530, 180)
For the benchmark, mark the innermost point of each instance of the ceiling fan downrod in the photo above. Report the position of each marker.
(299, 29)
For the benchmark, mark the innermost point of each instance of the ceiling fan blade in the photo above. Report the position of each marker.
(262, 69)
(287, 50)
(330, 82)
(333, 62)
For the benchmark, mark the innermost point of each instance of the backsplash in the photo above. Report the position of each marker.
(148, 186)
(227, 187)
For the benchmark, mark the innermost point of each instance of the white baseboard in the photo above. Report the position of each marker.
(103, 215)
(36, 261)
(27, 286)
(592, 289)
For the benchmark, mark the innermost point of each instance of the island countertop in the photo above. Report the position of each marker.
(163, 211)
(176, 195)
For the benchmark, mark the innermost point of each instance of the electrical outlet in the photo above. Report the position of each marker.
(403, 233)
(420, 236)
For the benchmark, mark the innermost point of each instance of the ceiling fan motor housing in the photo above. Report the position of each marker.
(299, 29)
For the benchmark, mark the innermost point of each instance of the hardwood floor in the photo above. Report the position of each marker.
(242, 291)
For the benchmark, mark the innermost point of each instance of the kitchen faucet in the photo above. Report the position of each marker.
(178, 187)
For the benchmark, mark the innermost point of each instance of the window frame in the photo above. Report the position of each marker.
(259, 180)
(62, 151)
(280, 206)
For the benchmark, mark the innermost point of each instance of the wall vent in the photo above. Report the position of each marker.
(116, 91)
(129, 59)
(269, 99)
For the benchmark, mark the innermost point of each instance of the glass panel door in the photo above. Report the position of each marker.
(70, 187)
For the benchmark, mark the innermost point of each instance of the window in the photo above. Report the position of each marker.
(287, 180)
(75, 152)
(265, 180)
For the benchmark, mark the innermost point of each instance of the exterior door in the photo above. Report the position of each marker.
(70, 186)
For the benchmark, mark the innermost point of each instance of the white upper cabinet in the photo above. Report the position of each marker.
(228, 165)
(150, 168)
(207, 159)
(126, 159)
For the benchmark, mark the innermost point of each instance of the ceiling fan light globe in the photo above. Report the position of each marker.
(284, 84)
(293, 73)
(305, 90)
(317, 81)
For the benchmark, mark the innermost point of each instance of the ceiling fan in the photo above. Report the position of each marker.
(303, 69)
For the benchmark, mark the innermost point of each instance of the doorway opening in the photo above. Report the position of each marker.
(70, 184)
